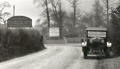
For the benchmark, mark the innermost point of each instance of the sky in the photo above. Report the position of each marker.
(23, 8)
(29, 9)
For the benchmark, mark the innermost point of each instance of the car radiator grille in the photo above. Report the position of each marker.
(96, 45)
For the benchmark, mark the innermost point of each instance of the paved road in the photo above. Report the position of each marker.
(56, 56)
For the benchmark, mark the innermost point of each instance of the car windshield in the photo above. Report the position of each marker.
(96, 34)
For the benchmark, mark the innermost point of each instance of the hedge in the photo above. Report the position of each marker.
(19, 42)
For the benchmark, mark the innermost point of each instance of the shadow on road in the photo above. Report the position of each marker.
(103, 57)
(96, 57)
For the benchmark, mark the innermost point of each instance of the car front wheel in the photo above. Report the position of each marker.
(107, 52)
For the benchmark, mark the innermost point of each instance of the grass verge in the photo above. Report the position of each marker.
(108, 63)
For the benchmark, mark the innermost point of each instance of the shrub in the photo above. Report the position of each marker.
(115, 30)
(19, 42)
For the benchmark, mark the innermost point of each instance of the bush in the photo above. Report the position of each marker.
(19, 42)
(115, 30)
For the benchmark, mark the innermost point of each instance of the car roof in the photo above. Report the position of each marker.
(97, 28)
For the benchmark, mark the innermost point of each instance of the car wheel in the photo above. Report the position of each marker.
(107, 53)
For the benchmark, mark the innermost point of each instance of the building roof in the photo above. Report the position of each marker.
(97, 28)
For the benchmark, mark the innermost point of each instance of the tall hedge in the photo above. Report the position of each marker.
(19, 42)
(115, 29)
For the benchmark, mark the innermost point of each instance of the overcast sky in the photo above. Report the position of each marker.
(28, 8)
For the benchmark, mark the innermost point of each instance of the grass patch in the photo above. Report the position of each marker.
(111, 63)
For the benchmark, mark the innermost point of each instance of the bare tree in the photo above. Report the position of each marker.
(44, 3)
(58, 14)
(106, 2)
(47, 12)
(108, 6)
(98, 13)
(88, 19)
(3, 15)
(74, 4)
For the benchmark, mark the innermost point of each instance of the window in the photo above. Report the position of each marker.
(96, 34)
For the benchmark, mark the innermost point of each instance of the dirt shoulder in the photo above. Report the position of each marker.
(109, 63)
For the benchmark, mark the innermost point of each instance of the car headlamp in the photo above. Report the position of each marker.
(102, 41)
(91, 40)
(109, 44)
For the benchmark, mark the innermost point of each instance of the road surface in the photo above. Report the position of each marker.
(56, 56)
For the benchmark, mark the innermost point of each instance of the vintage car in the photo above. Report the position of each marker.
(96, 42)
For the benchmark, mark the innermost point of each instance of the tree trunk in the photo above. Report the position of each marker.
(48, 17)
(74, 14)
(61, 22)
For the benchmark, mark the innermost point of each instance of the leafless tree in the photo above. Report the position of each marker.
(58, 14)
(108, 5)
(98, 13)
(44, 3)
(3, 15)
(107, 8)
(74, 4)
(47, 12)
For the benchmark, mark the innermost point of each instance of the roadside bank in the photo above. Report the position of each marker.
(109, 63)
